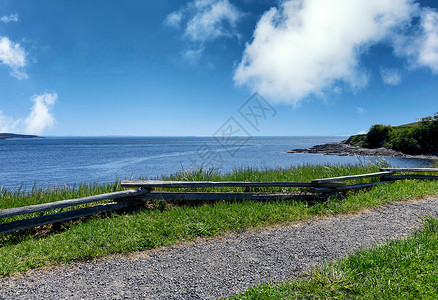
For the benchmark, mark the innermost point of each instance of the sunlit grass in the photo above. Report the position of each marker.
(17, 197)
(10, 198)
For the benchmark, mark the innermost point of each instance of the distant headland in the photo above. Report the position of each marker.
(4, 136)
(413, 140)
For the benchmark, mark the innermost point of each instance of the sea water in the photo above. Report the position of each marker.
(56, 161)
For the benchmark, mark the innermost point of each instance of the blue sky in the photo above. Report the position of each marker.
(183, 68)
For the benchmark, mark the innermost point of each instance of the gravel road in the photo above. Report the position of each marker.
(213, 268)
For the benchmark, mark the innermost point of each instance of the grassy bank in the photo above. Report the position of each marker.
(403, 269)
(154, 227)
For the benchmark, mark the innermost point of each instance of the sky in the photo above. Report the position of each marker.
(192, 68)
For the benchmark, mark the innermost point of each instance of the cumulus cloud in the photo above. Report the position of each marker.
(390, 76)
(307, 47)
(421, 47)
(205, 20)
(428, 52)
(14, 56)
(39, 119)
(40, 116)
(10, 18)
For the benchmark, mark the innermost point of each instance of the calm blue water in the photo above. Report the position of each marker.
(58, 161)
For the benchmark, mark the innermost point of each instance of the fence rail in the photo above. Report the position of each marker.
(350, 177)
(318, 189)
(67, 203)
(64, 216)
(205, 184)
(410, 169)
(215, 196)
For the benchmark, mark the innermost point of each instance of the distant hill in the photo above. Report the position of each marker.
(420, 137)
(17, 136)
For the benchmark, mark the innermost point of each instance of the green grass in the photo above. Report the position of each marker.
(409, 125)
(303, 173)
(402, 269)
(151, 228)
(18, 197)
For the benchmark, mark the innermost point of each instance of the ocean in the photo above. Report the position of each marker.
(58, 161)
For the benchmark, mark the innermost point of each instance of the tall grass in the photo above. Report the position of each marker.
(304, 173)
(17, 197)
(10, 198)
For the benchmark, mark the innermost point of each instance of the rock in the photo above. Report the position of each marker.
(343, 149)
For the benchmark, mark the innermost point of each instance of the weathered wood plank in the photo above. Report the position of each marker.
(349, 177)
(411, 176)
(64, 216)
(410, 169)
(71, 202)
(203, 184)
(347, 187)
(198, 196)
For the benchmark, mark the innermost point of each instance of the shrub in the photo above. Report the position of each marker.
(378, 135)
(358, 140)
(403, 141)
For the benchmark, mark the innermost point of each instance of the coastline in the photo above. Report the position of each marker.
(6, 136)
(343, 149)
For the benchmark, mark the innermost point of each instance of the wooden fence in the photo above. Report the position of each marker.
(318, 188)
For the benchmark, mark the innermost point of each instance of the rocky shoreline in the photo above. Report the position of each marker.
(343, 149)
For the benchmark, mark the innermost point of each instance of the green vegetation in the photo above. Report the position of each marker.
(403, 269)
(18, 197)
(157, 226)
(415, 138)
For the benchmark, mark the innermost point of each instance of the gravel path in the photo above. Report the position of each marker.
(221, 267)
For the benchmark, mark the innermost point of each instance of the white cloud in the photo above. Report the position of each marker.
(174, 19)
(307, 47)
(421, 47)
(39, 119)
(8, 124)
(212, 20)
(10, 18)
(204, 21)
(428, 53)
(12, 55)
(361, 110)
(390, 76)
